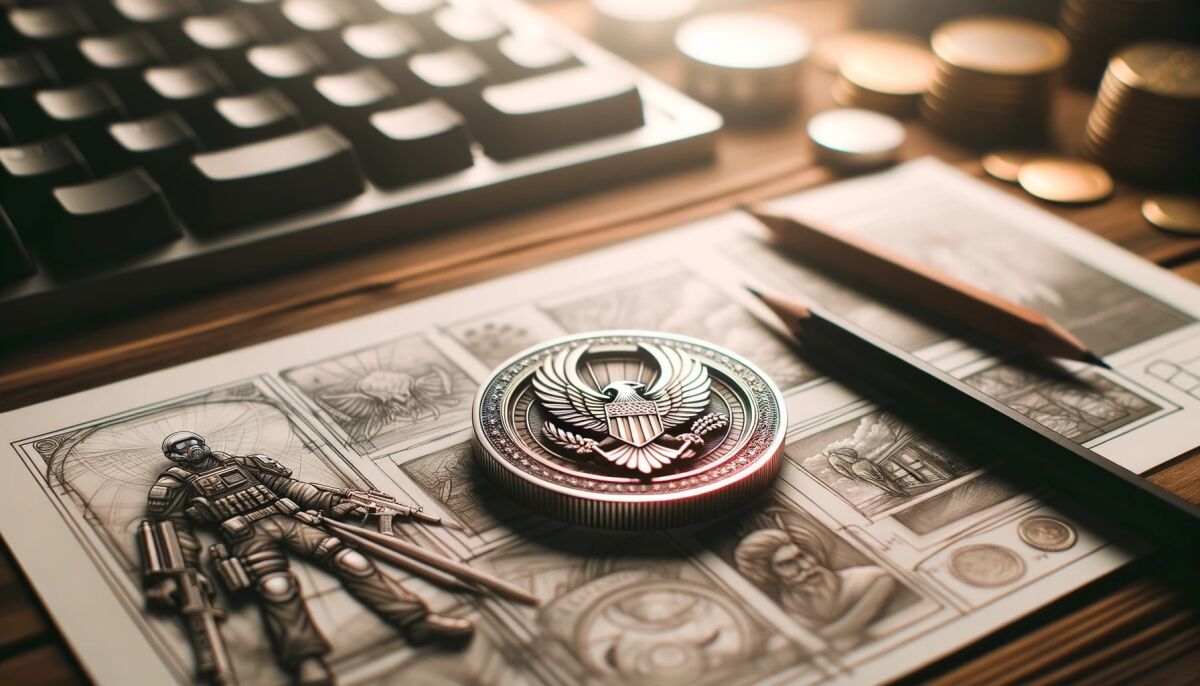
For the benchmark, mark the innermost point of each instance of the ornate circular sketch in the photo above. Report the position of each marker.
(1047, 533)
(986, 565)
(629, 429)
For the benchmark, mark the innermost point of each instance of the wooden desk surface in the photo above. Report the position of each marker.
(1126, 627)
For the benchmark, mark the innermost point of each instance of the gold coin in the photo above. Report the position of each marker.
(829, 52)
(1170, 69)
(1176, 213)
(1065, 180)
(1006, 164)
(1000, 45)
(892, 69)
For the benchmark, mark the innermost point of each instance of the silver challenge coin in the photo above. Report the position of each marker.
(629, 429)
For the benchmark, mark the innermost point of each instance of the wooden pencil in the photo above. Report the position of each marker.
(926, 287)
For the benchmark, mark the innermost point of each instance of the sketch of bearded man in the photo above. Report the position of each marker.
(792, 566)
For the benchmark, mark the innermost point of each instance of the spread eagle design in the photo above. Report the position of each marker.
(633, 419)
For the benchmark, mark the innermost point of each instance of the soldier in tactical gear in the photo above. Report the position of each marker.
(259, 509)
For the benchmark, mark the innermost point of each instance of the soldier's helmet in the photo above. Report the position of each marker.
(185, 446)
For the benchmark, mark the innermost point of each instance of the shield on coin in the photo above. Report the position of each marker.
(635, 422)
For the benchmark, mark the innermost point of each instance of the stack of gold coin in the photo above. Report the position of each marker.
(1096, 28)
(887, 77)
(994, 79)
(1145, 123)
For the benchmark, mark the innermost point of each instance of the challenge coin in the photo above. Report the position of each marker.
(629, 429)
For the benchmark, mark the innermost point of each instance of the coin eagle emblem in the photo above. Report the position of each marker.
(626, 422)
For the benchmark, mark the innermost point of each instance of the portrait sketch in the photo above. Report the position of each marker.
(101, 474)
(819, 580)
(396, 393)
(1080, 408)
(876, 462)
(682, 303)
(631, 609)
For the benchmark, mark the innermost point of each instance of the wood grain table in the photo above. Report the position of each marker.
(1127, 627)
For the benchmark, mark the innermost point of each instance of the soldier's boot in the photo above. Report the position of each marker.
(440, 627)
(312, 671)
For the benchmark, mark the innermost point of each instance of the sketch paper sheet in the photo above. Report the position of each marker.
(878, 550)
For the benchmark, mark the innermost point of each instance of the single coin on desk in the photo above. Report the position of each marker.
(1174, 213)
(856, 139)
(1065, 180)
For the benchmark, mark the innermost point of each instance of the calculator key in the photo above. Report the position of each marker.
(456, 76)
(471, 28)
(253, 117)
(21, 76)
(412, 143)
(24, 73)
(386, 44)
(290, 67)
(419, 13)
(120, 60)
(162, 145)
(111, 217)
(189, 89)
(525, 56)
(28, 173)
(554, 110)
(14, 259)
(411, 8)
(270, 178)
(267, 13)
(184, 85)
(151, 12)
(348, 98)
(162, 18)
(322, 21)
(54, 30)
(82, 112)
(120, 52)
(225, 38)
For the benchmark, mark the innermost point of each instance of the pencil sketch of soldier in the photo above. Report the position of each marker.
(260, 512)
(791, 564)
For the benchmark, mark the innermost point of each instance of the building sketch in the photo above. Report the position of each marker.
(876, 462)
(1080, 408)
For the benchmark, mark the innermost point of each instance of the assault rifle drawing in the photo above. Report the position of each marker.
(385, 507)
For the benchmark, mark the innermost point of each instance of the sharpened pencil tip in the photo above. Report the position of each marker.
(1093, 358)
(753, 291)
